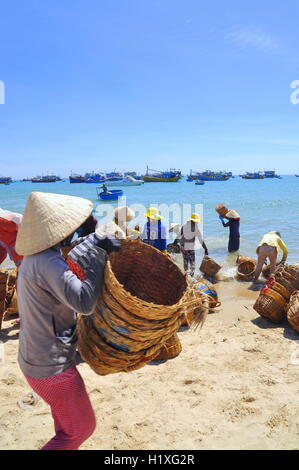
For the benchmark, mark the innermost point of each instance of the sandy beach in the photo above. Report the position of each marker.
(234, 386)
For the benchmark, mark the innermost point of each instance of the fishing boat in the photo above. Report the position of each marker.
(199, 183)
(271, 174)
(253, 176)
(208, 175)
(110, 195)
(126, 181)
(5, 180)
(161, 176)
(95, 178)
(44, 179)
(77, 178)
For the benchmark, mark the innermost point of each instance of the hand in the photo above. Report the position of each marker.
(108, 243)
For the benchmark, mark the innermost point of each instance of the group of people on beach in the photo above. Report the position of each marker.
(52, 290)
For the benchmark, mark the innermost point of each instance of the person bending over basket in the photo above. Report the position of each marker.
(268, 248)
(49, 294)
(189, 233)
(154, 231)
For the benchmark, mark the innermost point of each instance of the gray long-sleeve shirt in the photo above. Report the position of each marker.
(49, 295)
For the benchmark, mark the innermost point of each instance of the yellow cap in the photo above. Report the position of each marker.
(153, 213)
(195, 218)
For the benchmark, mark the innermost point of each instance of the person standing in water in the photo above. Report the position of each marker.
(234, 229)
(189, 232)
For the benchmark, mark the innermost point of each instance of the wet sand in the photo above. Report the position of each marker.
(234, 386)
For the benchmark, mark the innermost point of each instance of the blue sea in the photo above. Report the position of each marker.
(264, 205)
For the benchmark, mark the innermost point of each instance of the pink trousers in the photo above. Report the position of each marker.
(74, 419)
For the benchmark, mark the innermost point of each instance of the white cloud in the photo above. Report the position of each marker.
(245, 37)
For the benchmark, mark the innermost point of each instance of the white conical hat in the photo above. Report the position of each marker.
(48, 219)
(110, 228)
(124, 214)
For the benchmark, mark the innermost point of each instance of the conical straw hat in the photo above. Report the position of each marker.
(110, 228)
(232, 214)
(124, 214)
(48, 219)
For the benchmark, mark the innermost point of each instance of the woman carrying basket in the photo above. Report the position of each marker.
(49, 295)
(234, 229)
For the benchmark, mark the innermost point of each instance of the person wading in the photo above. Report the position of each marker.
(234, 229)
(268, 248)
(189, 233)
(49, 295)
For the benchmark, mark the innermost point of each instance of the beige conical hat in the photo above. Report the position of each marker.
(48, 219)
(124, 214)
(232, 214)
(110, 228)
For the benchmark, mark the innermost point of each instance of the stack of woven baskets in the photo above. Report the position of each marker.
(8, 295)
(245, 268)
(144, 300)
(274, 299)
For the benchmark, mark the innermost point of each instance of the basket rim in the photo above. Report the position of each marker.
(132, 297)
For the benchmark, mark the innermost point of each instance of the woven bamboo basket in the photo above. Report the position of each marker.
(242, 258)
(271, 305)
(209, 266)
(204, 303)
(170, 349)
(207, 288)
(143, 302)
(246, 270)
(280, 289)
(3, 279)
(286, 280)
(12, 308)
(266, 270)
(173, 248)
(222, 210)
(293, 311)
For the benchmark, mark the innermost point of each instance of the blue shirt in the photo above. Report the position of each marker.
(154, 234)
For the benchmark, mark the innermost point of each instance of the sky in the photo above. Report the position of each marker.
(122, 84)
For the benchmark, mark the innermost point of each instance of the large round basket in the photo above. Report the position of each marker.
(293, 311)
(145, 298)
(170, 349)
(271, 305)
(209, 266)
(246, 270)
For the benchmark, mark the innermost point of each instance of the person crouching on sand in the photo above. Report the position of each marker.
(268, 248)
(49, 295)
(234, 229)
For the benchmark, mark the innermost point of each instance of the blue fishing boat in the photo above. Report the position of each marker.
(110, 195)
(208, 175)
(77, 178)
(5, 180)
